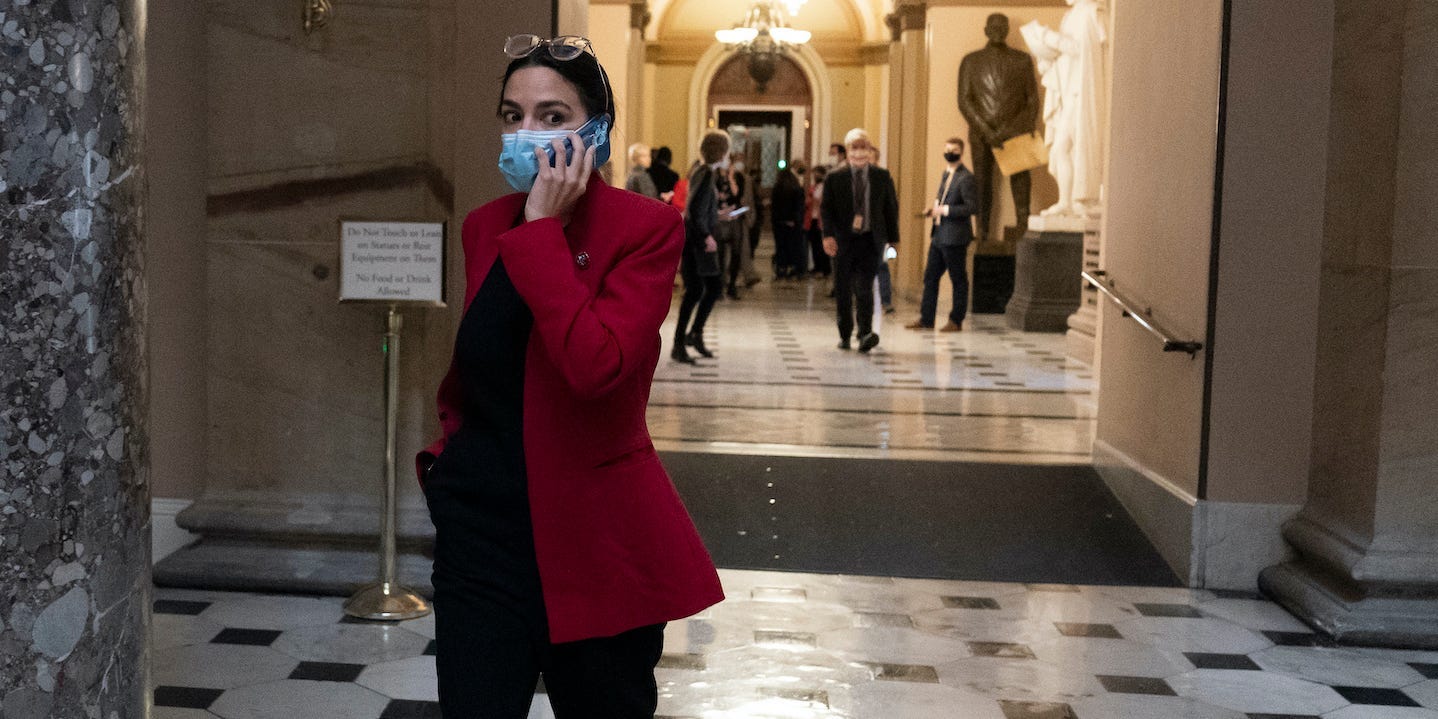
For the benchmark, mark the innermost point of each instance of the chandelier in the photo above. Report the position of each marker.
(762, 35)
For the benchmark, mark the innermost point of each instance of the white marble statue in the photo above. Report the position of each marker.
(1071, 66)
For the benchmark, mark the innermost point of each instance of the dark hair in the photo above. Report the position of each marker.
(819, 173)
(662, 155)
(714, 146)
(956, 141)
(583, 72)
(843, 151)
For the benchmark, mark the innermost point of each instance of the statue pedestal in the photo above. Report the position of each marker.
(1083, 324)
(993, 283)
(1047, 287)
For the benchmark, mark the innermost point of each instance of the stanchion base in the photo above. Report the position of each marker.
(385, 601)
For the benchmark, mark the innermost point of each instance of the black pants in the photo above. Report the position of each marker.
(700, 291)
(816, 250)
(951, 260)
(854, 273)
(492, 638)
(985, 171)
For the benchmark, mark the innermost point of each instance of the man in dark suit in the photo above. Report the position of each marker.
(860, 216)
(949, 240)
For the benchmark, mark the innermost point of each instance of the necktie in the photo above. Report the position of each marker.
(943, 192)
(861, 196)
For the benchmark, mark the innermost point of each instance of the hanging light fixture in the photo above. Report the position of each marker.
(762, 35)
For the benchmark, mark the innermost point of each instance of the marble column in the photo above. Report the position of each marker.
(908, 135)
(74, 498)
(1367, 541)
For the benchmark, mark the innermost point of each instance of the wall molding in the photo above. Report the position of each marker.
(166, 536)
(1164, 512)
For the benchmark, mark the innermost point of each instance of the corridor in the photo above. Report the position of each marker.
(820, 644)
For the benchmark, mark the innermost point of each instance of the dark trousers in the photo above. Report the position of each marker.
(731, 255)
(854, 272)
(700, 292)
(492, 639)
(816, 250)
(985, 171)
(951, 260)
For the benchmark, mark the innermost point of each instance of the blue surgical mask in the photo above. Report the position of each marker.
(516, 157)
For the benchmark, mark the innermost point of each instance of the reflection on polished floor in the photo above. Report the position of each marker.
(778, 385)
(794, 645)
(804, 646)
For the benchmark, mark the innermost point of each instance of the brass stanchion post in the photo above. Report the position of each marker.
(387, 599)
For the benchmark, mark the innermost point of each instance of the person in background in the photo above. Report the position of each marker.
(786, 208)
(838, 156)
(882, 280)
(754, 227)
(544, 447)
(731, 188)
(812, 224)
(639, 180)
(860, 212)
(951, 233)
(700, 264)
(663, 175)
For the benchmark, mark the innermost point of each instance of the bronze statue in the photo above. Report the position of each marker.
(999, 97)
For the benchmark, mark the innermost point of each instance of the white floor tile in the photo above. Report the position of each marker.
(219, 666)
(1338, 667)
(294, 698)
(351, 643)
(1257, 692)
(412, 678)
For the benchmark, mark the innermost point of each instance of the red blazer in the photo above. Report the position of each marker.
(616, 548)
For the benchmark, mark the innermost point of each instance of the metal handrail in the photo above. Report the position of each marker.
(1143, 317)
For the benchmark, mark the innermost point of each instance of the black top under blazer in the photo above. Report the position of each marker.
(836, 208)
(963, 201)
(701, 208)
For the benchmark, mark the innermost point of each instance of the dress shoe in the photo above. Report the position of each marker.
(679, 355)
(844, 344)
(868, 342)
(951, 327)
(918, 325)
(696, 340)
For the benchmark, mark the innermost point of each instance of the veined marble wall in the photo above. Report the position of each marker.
(74, 498)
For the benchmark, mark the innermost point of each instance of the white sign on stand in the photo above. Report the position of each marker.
(392, 262)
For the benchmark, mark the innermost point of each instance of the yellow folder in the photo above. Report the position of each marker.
(1021, 153)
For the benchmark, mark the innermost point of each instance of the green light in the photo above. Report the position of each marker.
(783, 164)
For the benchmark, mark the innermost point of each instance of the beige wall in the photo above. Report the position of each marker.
(175, 248)
(853, 105)
(1266, 311)
(1158, 230)
(670, 108)
(953, 33)
(609, 31)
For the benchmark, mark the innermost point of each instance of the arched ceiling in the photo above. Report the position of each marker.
(858, 20)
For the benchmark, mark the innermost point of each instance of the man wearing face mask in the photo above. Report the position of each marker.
(860, 215)
(950, 235)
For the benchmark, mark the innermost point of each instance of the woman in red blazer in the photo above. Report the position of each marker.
(561, 544)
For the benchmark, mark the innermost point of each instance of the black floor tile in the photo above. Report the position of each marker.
(186, 697)
(1209, 660)
(1374, 696)
(808, 696)
(250, 637)
(1168, 610)
(869, 620)
(1283, 716)
(429, 649)
(1136, 685)
(1427, 670)
(694, 662)
(175, 606)
(1092, 631)
(787, 639)
(1296, 639)
(410, 709)
(970, 602)
(327, 671)
(1001, 650)
(903, 672)
(1035, 710)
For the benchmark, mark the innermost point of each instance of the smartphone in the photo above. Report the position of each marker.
(890, 253)
(588, 132)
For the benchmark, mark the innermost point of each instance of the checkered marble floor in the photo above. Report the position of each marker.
(795, 646)
(779, 385)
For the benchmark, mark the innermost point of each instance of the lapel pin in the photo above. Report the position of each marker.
(582, 259)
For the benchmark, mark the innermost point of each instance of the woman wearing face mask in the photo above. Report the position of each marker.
(561, 546)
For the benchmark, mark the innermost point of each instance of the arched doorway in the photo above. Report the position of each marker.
(769, 121)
